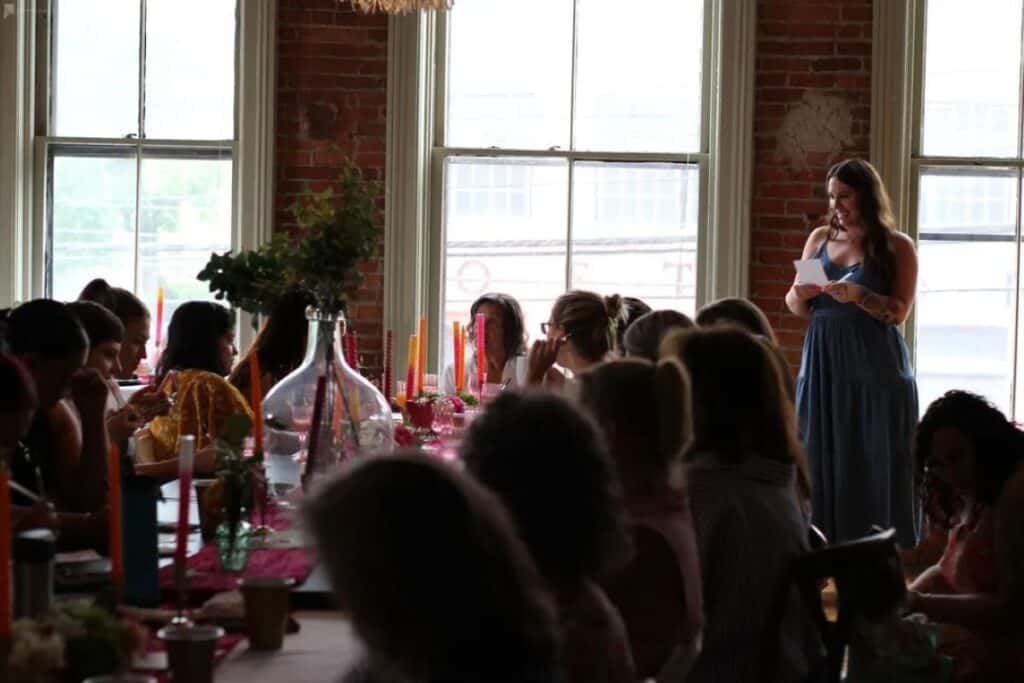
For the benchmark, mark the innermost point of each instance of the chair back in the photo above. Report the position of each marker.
(868, 579)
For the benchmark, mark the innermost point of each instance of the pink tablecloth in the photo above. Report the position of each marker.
(204, 575)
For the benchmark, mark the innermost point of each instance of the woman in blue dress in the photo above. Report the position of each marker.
(856, 394)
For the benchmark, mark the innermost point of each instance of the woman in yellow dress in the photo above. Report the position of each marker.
(200, 351)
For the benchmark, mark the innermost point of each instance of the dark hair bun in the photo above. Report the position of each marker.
(100, 291)
(613, 306)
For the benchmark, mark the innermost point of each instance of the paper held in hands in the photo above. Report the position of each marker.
(810, 272)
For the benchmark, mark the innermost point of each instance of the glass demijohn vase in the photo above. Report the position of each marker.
(324, 412)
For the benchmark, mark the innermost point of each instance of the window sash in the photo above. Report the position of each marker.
(134, 149)
(435, 270)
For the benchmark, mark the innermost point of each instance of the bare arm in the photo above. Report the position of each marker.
(799, 295)
(167, 470)
(968, 609)
(931, 581)
(892, 309)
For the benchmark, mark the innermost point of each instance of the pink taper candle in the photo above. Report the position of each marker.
(186, 458)
(389, 353)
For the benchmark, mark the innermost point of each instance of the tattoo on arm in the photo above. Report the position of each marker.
(880, 308)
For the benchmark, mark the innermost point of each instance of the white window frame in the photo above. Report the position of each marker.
(24, 26)
(413, 249)
(896, 115)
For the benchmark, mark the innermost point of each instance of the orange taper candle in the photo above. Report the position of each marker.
(256, 401)
(410, 373)
(159, 317)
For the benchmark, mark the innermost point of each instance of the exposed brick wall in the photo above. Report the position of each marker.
(813, 96)
(331, 102)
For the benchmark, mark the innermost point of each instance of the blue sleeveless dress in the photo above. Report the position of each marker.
(857, 402)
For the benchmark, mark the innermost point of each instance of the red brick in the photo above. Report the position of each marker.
(784, 10)
(859, 48)
(812, 80)
(796, 47)
(837, 64)
(852, 12)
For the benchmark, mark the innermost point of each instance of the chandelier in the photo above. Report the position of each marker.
(400, 6)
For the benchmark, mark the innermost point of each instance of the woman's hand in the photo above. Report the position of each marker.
(122, 423)
(845, 292)
(206, 460)
(149, 402)
(89, 391)
(40, 515)
(542, 357)
(806, 292)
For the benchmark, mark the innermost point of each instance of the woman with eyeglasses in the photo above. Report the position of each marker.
(580, 333)
(504, 343)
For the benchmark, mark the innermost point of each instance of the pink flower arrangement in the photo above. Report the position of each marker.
(404, 437)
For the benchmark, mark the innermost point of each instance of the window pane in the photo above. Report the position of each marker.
(972, 78)
(966, 284)
(965, 299)
(509, 74)
(508, 236)
(976, 201)
(185, 215)
(635, 231)
(96, 68)
(93, 222)
(639, 75)
(190, 69)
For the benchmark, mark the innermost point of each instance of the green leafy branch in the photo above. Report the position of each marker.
(336, 231)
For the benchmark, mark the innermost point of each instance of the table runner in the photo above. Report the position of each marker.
(204, 575)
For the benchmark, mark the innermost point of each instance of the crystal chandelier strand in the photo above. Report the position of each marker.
(401, 6)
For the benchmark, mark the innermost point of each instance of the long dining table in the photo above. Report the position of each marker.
(321, 651)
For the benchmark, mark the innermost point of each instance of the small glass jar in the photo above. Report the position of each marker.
(233, 545)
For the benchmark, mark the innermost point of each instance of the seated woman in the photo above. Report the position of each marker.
(736, 311)
(105, 332)
(200, 349)
(741, 477)
(580, 334)
(966, 452)
(644, 410)
(746, 314)
(147, 402)
(280, 345)
(49, 342)
(504, 343)
(18, 403)
(643, 337)
(547, 463)
(462, 602)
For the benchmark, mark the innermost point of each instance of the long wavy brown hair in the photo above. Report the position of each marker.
(875, 213)
(739, 403)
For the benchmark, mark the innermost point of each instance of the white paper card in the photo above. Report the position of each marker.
(810, 272)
